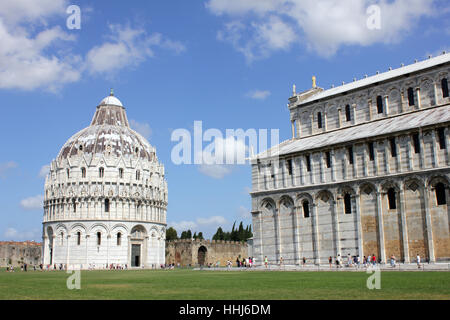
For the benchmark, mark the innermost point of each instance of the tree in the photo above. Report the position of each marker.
(186, 235)
(200, 236)
(171, 234)
(218, 235)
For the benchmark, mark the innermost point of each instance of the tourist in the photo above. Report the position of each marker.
(358, 261)
(393, 261)
(349, 260)
(374, 260)
(238, 263)
(266, 262)
(304, 260)
(330, 261)
(281, 262)
(418, 261)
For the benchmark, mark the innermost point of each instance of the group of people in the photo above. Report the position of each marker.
(23, 267)
(245, 263)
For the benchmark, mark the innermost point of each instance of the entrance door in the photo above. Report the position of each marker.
(135, 255)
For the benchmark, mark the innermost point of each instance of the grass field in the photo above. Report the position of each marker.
(190, 284)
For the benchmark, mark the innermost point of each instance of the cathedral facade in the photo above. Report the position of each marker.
(105, 197)
(367, 171)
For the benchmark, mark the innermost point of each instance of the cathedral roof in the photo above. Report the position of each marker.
(109, 133)
(403, 122)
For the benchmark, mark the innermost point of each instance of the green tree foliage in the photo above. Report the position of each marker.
(186, 235)
(171, 234)
(239, 234)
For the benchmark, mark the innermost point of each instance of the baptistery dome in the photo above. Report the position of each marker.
(105, 197)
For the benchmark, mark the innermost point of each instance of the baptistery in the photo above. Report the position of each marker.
(105, 198)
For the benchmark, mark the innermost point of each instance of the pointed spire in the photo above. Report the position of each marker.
(314, 81)
(111, 93)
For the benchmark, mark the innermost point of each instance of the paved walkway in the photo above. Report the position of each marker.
(383, 267)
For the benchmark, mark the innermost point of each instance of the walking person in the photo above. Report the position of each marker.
(330, 261)
(393, 261)
(266, 262)
(418, 261)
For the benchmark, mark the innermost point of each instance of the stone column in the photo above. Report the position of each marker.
(321, 168)
(404, 226)
(410, 154)
(279, 251)
(340, 117)
(435, 151)
(325, 126)
(261, 238)
(354, 113)
(315, 234)
(447, 144)
(369, 103)
(386, 156)
(52, 257)
(293, 129)
(45, 250)
(386, 103)
(435, 92)
(87, 251)
(129, 251)
(296, 213)
(419, 104)
(333, 165)
(68, 251)
(380, 224)
(428, 222)
(298, 123)
(108, 239)
(402, 100)
(336, 226)
(422, 149)
(301, 170)
(357, 199)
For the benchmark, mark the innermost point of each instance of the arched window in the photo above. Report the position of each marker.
(371, 151)
(78, 238)
(308, 162)
(348, 116)
(62, 238)
(319, 120)
(440, 194)
(380, 104)
(120, 173)
(74, 205)
(306, 209)
(411, 97)
(83, 172)
(392, 199)
(350, 154)
(138, 175)
(393, 147)
(101, 172)
(347, 204)
(68, 173)
(119, 239)
(416, 142)
(444, 85)
(99, 238)
(328, 159)
(106, 205)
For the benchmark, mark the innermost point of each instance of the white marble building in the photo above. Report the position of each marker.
(367, 171)
(105, 197)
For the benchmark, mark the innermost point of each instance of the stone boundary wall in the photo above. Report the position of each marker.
(18, 253)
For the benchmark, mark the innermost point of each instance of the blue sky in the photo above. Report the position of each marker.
(228, 63)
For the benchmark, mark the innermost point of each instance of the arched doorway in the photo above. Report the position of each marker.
(201, 256)
(138, 235)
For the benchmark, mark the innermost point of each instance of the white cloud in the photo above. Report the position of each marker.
(34, 55)
(259, 28)
(220, 155)
(216, 171)
(126, 47)
(45, 169)
(32, 203)
(24, 63)
(141, 127)
(5, 167)
(14, 12)
(206, 225)
(258, 94)
(15, 235)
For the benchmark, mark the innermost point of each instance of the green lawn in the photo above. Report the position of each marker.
(190, 284)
